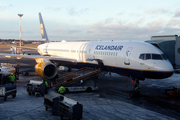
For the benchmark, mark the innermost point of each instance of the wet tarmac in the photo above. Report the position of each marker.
(110, 102)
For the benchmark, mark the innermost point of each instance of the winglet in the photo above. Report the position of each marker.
(43, 29)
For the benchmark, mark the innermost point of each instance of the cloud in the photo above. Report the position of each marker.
(108, 20)
(108, 29)
(73, 11)
(120, 14)
(2, 8)
(157, 11)
(177, 13)
(155, 25)
(174, 22)
(135, 30)
(54, 8)
(130, 31)
(5, 7)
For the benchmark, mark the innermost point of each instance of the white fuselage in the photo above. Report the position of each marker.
(120, 57)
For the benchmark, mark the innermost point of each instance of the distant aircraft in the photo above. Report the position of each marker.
(6, 70)
(138, 60)
(14, 42)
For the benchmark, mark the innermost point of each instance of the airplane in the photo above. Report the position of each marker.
(7, 70)
(135, 59)
(14, 42)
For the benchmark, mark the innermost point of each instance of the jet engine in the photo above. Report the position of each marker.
(46, 70)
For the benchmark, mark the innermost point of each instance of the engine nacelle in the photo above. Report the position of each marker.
(46, 70)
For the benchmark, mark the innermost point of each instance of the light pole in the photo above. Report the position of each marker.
(20, 15)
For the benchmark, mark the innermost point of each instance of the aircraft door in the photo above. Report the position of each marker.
(82, 52)
(45, 52)
(90, 54)
(127, 56)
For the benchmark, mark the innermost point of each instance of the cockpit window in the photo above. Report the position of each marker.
(156, 57)
(142, 56)
(164, 56)
(148, 56)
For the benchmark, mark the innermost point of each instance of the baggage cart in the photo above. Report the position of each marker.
(8, 89)
(36, 86)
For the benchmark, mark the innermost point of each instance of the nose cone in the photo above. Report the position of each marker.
(165, 66)
(166, 69)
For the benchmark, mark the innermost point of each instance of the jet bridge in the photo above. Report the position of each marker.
(80, 74)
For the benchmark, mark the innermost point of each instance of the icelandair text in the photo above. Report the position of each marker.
(110, 47)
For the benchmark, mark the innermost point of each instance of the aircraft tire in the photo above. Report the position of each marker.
(89, 89)
(14, 95)
(134, 94)
(29, 93)
(5, 98)
(26, 74)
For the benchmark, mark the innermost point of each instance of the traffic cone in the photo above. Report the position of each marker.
(51, 84)
(132, 82)
(171, 92)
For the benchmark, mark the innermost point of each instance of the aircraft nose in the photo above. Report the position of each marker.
(166, 68)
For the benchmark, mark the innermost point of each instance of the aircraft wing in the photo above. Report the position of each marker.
(33, 48)
(51, 58)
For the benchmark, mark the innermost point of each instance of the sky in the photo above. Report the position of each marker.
(90, 19)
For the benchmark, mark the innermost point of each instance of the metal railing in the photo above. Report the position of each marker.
(76, 75)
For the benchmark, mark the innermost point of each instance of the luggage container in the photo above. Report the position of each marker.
(70, 108)
(8, 89)
(51, 100)
(36, 86)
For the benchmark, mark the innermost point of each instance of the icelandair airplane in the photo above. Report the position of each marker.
(138, 60)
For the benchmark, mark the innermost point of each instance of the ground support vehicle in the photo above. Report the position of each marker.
(175, 92)
(36, 86)
(81, 86)
(70, 108)
(51, 100)
(63, 106)
(8, 89)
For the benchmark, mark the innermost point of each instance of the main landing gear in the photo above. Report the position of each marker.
(135, 92)
(69, 69)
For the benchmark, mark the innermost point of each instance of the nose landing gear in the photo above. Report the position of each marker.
(135, 92)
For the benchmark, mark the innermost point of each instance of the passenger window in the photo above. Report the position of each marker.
(141, 56)
(156, 57)
(148, 56)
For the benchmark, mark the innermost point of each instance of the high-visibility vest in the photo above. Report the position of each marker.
(62, 89)
(46, 83)
(12, 77)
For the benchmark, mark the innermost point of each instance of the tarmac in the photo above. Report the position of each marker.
(110, 102)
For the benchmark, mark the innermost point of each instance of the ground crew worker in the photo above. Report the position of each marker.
(62, 90)
(46, 86)
(12, 78)
(46, 83)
